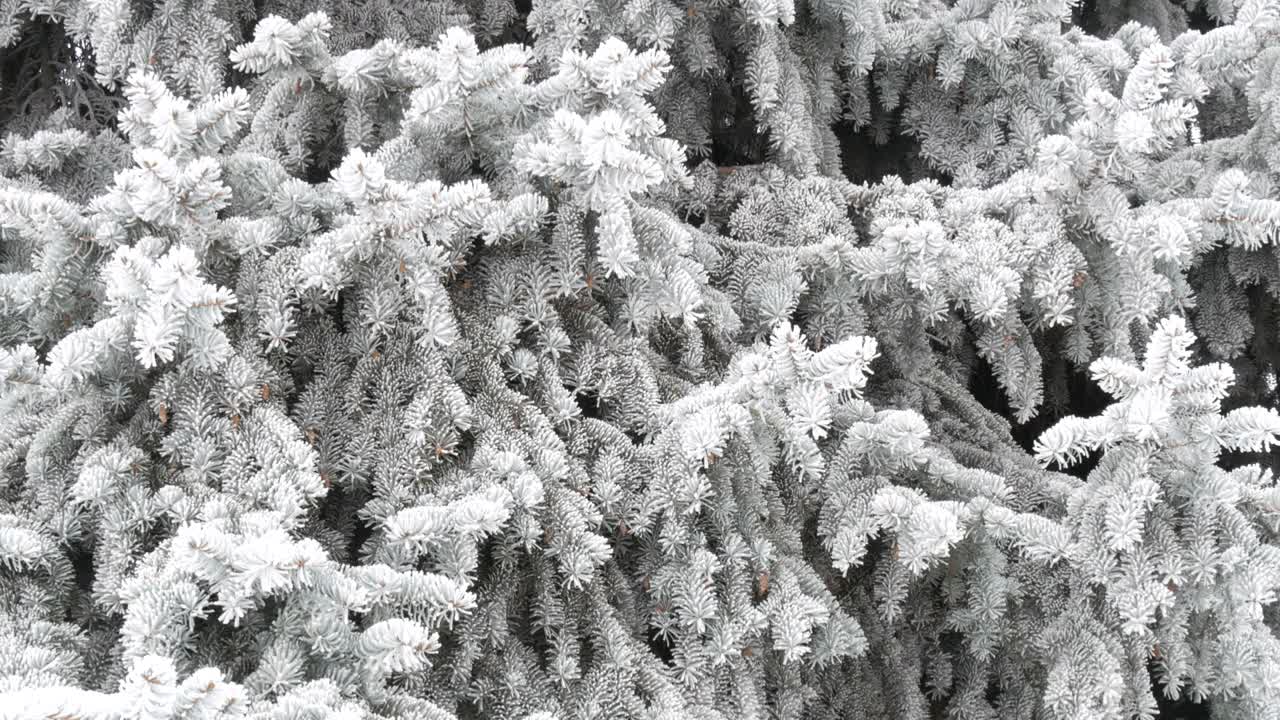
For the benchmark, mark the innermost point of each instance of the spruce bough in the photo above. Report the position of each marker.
(634, 360)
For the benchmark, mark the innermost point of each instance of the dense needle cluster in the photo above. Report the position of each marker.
(639, 359)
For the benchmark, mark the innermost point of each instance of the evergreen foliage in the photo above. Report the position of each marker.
(639, 359)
